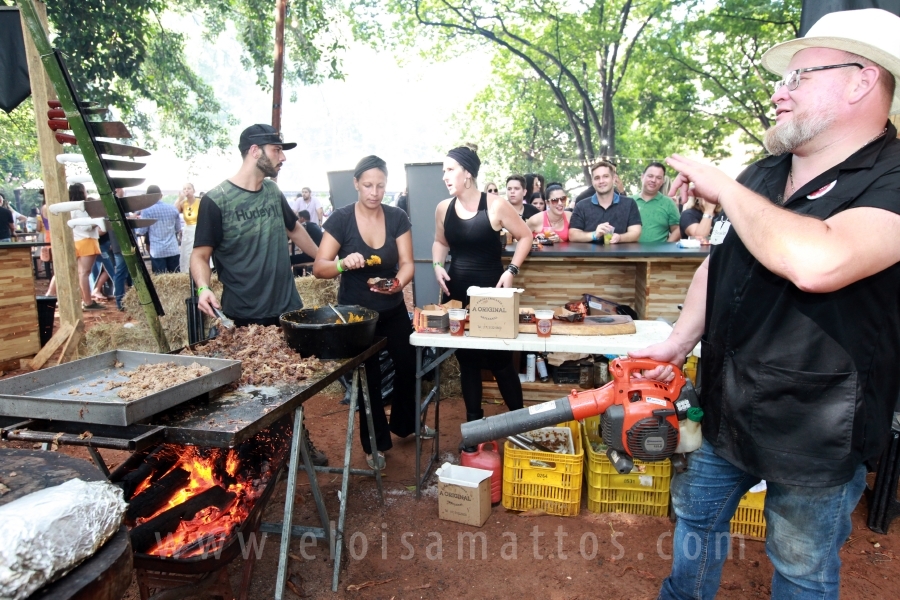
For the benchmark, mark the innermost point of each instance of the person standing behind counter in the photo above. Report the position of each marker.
(242, 225)
(554, 218)
(659, 215)
(354, 234)
(607, 212)
(467, 226)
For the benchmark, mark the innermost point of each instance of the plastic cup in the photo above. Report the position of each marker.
(544, 322)
(457, 321)
(607, 238)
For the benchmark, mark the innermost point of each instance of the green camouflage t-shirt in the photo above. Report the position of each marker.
(247, 231)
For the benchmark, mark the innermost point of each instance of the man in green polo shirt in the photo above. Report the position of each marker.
(659, 215)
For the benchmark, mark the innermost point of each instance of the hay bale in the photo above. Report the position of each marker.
(317, 292)
(450, 385)
(104, 337)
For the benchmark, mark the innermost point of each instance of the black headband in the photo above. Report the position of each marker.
(553, 187)
(467, 159)
(370, 162)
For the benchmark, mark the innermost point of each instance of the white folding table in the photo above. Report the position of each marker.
(648, 333)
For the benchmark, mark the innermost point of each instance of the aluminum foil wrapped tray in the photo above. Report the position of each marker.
(48, 533)
(80, 390)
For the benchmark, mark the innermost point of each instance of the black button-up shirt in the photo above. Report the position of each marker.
(799, 387)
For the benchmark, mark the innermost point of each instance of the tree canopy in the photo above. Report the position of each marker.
(120, 53)
(583, 80)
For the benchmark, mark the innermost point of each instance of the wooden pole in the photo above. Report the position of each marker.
(280, 11)
(54, 176)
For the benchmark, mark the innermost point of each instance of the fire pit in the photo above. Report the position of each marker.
(192, 510)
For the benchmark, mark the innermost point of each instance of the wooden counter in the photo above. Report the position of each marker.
(19, 333)
(651, 278)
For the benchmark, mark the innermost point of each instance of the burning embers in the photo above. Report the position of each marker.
(186, 501)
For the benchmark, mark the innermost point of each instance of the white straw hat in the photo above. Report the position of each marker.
(872, 33)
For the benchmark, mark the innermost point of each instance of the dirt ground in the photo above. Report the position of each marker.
(400, 549)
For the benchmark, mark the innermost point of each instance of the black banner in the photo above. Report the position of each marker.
(15, 86)
(813, 10)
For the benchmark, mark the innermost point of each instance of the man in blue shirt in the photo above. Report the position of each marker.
(607, 212)
(165, 252)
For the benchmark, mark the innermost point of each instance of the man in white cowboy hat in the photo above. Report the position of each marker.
(797, 311)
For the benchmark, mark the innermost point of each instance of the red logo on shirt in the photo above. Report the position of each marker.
(822, 190)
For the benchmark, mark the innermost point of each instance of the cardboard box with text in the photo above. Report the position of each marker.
(464, 494)
(494, 312)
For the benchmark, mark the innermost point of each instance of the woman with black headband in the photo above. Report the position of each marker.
(467, 226)
(363, 241)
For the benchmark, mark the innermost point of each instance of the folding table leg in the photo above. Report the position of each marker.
(298, 452)
(359, 383)
(419, 374)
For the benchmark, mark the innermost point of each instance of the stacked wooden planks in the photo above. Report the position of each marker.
(19, 333)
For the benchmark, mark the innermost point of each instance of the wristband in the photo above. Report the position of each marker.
(594, 236)
(340, 267)
(436, 264)
(201, 289)
(513, 269)
(707, 217)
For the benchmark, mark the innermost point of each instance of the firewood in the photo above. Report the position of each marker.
(154, 497)
(144, 536)
(156, 465)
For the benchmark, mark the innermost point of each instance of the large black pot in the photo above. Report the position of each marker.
(314, 331)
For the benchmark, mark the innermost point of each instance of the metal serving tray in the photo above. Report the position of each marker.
(46, 394)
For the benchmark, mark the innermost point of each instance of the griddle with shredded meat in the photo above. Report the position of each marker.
(152, 378)
(265, 357)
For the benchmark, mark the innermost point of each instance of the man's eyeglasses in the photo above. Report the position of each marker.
(792, 79)
(556, 200)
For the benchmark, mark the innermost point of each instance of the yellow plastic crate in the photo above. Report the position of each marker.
(555, 489)
(748, 519)
(644, 491)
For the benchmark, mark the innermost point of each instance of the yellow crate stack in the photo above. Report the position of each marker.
(748, 519)
(644, 491)
(555, 489)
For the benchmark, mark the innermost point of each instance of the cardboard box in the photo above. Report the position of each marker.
(494, 312)
(464, 494)
(434, 318)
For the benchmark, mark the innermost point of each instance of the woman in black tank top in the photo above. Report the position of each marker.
(467, 227)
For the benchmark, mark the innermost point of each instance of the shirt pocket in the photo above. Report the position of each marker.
(802, 412)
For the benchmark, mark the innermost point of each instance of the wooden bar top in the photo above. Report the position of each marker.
(633, 250)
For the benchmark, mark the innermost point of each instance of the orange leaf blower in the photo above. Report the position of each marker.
(638, 417)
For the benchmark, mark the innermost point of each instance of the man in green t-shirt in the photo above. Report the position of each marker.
(243, 224)
(659, 215)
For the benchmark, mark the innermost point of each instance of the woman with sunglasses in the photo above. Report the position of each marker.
(491, 188)
(553, 222)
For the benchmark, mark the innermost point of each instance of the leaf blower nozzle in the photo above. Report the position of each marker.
(500, 426)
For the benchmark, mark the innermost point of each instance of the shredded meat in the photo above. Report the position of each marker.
(265, 357)
(149, 379)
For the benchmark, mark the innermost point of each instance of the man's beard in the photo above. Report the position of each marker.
(265, 165)
(780, 139)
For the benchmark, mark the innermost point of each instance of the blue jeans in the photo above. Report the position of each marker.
(166, 264)
(805, 529)
(120, 277)
(104, 262)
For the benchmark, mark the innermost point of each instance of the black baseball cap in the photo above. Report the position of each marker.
(260, 135)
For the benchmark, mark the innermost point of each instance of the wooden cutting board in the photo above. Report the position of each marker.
(597, 325)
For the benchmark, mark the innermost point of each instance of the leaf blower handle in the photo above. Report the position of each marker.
(577, 405)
